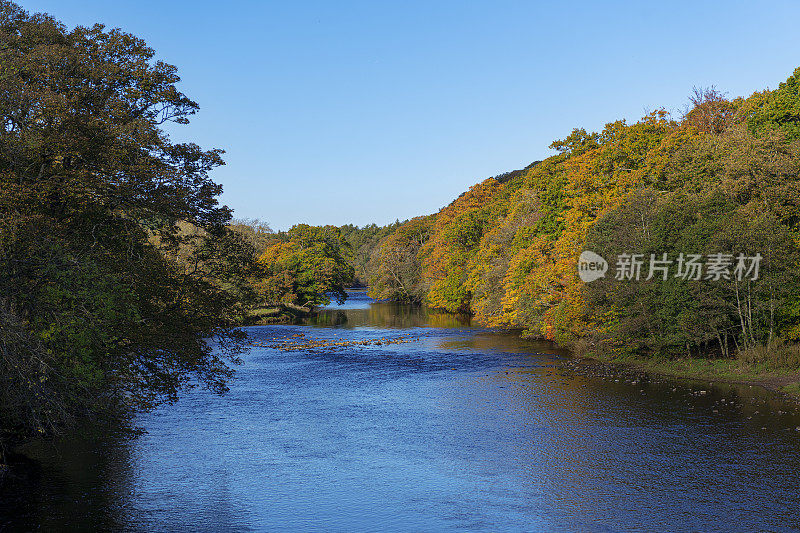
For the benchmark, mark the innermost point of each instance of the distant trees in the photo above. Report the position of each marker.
(394, 268)
(255, 232)
(305, 267)
(363, 243)
(710, 111)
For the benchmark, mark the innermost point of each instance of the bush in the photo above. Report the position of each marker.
(775, 355)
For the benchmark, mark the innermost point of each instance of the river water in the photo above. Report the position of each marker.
(456, 428)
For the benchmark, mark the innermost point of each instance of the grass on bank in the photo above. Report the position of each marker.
(775, 367)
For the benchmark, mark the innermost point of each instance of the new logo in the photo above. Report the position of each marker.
(591, 266)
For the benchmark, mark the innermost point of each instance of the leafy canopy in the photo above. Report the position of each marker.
(101, 300)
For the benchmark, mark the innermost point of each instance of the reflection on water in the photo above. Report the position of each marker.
(389, 315)
(361, 310)
(463, 429)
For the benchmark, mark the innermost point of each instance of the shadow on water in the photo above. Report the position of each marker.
(77, 482)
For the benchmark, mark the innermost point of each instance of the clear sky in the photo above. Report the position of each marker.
(341, 111)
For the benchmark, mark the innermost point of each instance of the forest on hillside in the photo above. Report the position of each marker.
(719, 183)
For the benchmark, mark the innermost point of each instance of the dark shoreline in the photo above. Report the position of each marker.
(769, 381)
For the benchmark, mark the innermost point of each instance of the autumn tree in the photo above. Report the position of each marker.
(455, 235)
(778, 109)
(710, 112)
(306, 267)
(395, 272)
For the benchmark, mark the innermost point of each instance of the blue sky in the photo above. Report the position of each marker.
(355, 112)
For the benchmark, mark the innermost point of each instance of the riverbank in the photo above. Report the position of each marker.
(760, 368)
(731, 371)
(277, 314)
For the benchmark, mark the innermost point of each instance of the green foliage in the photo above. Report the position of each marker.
(777, 109)
(305, 267)
(676, 315)
(107, 296)
(394, 268)
(576, 142)
(363, 244)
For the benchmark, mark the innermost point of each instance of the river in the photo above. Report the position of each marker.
(454, 428)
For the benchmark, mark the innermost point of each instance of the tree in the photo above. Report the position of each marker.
(363, 244)
(306, 268)
(395, 270)
(96, 310)
(455, 235)
(257, 233)
(778, 109)
(711, 112)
